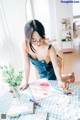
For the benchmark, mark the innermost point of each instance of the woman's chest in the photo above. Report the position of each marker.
(41, 55)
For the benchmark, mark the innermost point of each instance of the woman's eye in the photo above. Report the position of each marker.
(34, 41)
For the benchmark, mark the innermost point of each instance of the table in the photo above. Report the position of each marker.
(49, 105)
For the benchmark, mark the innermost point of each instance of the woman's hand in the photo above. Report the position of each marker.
(62, 84)
(23, 85)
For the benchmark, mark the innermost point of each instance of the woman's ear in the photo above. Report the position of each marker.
(47, 40)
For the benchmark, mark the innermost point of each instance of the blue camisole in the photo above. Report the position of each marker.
(45, 70)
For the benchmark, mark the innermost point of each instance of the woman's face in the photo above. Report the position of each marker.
(36, 40)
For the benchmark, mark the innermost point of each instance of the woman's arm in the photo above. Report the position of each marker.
(24, 83)
(56, 67)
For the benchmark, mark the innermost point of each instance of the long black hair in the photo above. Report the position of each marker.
(30, 27)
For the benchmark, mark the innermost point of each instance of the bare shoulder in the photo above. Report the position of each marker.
(52, 54)
(52, 50)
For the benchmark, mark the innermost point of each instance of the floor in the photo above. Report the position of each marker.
(72, 63)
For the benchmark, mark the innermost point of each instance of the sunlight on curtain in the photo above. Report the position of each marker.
(41, 12)
(11, 34)
(29, 16)
(12, 31)
(28, 12)
(3, 39)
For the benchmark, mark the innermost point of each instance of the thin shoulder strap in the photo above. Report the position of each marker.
(49, 50)
(49, 47)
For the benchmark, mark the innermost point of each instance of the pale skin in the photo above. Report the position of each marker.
(42, 54)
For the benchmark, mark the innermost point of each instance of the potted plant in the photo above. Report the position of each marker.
(65, 23)
(9, 76)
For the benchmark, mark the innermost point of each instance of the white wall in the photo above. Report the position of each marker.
(76, 9)
(57, 11)
(53, 21)
(41, 12)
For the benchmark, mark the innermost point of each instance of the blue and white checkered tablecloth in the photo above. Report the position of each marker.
(49, 105)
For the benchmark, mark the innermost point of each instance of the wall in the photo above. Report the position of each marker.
(53, 21)
(57, 11)
(76, 9)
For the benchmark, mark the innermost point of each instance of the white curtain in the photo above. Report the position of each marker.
(12, 20)
(42, 13)
(5, 43)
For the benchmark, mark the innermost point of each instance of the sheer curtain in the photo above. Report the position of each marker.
(12, 21)
(41, 13)
(5, 44)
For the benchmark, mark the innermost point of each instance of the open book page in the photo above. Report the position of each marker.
(36, 116)
(41, 88)
(18, 109)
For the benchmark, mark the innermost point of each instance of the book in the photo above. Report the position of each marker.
(37, 116)
(41, 88)
(21, 109)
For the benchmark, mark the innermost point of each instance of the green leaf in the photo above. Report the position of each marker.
(10, 77)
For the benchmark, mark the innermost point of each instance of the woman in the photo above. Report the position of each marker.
(42, 55)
